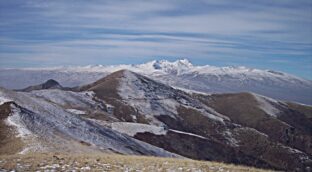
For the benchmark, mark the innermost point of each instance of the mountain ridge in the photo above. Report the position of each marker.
(156, 65)
(180, 73)
(165, 65)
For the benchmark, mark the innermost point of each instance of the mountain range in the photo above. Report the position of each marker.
(144, 112)
(180, 74)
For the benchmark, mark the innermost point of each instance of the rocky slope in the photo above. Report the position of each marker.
(129, 113)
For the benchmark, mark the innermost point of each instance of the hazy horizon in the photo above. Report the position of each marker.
(177, 59)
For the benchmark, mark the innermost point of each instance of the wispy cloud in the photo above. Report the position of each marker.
(252, 33)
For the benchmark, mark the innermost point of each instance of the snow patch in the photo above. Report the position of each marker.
(3, 98)
(152, 98)
(132, 129)
(65, 98)
(190, 134)
(211, 113)
(14, 119)
(50, 167)
(266, 104)
(76, 111)
(230, 139)
(190, 91)
(30, 139)
(146, 96)
(86, 168)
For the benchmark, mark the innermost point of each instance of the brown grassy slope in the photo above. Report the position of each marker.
(107, 89)
(193, 121)
(200, 148)
(306, 110)
(274, 153)
(253, 148)
(106, 162)
(106, 86)
(290, 127)
(9, 143)
(241, 108)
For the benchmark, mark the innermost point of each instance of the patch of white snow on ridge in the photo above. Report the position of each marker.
(189, 91)
(28, 138)
(63, 98)
(178, 67)
(154, 99)
(130, 88)
(230, 139)
(14, 119)
(266, 104)
(146, 97)
(212, 114)
(3, 98)
(190, 134)
(132, 129)
(76, 111)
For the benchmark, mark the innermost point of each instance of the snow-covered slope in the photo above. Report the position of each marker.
(154, 99)
(181, 73)
(131, 128)
(60, 130)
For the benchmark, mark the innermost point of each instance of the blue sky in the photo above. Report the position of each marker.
(265, 34)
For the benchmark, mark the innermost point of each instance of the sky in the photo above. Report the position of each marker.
(264, 34)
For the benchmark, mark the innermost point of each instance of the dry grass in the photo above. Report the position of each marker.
(9, 143)
(109, 162)
(304, 109)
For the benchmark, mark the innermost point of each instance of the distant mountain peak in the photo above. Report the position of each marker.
(176, 67)
(160, 64)
(49, 84)
(184, 66)
(184, 62)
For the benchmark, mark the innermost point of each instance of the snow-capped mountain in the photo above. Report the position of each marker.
(211, 79)
(180, 74)
(129, 113)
